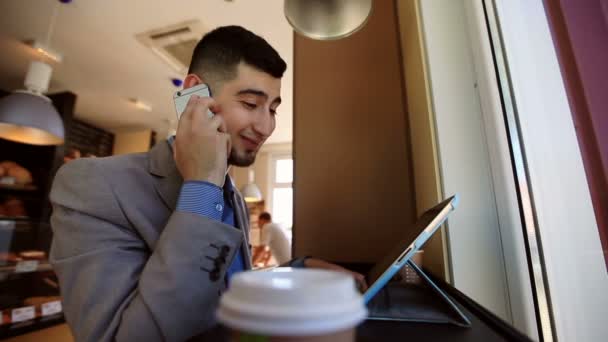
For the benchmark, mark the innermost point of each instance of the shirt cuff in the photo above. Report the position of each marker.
(202, 198)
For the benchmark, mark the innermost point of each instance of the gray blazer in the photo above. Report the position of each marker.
(131, 268)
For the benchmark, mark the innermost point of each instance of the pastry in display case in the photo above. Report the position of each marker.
(29, 290)
(13, 175)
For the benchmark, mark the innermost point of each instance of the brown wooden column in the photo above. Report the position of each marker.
(353, 188)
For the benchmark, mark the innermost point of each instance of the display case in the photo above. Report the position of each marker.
(29, 290)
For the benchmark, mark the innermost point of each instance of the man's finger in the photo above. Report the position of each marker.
(362, 284)
(228, 145)
(217, 123)
(199, 110)
(222, 127)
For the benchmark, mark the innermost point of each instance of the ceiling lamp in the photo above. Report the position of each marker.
(141, 105)
(29, 117)
(251, 192)
(327, 19)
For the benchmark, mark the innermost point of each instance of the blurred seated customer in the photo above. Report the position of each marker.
(274, 239)
(71, 155)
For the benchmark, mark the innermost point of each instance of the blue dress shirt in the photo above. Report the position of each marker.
(209, 200)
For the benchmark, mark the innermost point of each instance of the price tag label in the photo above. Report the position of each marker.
(26, 266)
(7, 225)
(8, 180)
(23, 314)
(51, 308)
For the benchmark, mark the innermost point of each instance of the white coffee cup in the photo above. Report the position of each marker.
(288, 304)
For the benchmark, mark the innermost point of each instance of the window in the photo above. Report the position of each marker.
(282, 192)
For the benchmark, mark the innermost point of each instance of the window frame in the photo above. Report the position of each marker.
(273, 184)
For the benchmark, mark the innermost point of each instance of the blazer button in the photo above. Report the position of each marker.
(225, 250)
(214, 275)
(218, 263)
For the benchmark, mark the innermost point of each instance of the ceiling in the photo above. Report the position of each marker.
(104, 64)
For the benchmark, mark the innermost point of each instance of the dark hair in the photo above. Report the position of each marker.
(220, 51)
(265, 216)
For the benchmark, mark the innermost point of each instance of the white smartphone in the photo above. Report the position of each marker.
(181, 98)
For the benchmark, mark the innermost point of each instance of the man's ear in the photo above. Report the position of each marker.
(192, 80)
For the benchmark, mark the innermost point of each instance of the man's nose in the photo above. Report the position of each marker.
(264, 123)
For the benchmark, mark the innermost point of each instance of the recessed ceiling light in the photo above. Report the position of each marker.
(140, 105)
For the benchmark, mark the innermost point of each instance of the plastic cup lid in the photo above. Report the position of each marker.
(291, 302)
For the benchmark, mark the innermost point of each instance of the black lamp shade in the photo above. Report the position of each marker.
(30, 119)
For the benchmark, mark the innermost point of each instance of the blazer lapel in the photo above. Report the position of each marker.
(168, 180)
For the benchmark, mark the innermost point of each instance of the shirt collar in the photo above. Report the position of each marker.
(228, 185)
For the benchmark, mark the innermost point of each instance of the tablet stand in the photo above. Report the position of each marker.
(416, 303)
(464, 320)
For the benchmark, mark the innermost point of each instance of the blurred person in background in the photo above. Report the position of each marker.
(274, 239)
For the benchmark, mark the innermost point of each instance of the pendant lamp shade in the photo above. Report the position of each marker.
(27, 116)
(251, 192)
(30, 119)
(327, 19)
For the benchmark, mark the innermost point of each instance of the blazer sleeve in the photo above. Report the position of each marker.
(114, 287)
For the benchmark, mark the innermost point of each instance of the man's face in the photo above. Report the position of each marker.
(248, 106)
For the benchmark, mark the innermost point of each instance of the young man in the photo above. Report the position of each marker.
(273, 237)
(144, 244)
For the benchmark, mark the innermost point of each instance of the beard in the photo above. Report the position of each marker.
(241, 159)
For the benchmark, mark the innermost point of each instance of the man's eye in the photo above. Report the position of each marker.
(249, 105)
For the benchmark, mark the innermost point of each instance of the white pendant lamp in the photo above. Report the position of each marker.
(29, 117)
(251, 192)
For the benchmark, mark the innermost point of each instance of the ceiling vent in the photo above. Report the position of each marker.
(174, 44)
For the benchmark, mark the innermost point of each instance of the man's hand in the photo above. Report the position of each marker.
(202, 145)
(318, 263)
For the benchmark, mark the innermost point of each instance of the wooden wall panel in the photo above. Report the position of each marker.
(353, 187)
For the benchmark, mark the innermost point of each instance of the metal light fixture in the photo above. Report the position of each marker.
(141, 105)
(251, 192)
(327, 19)
(29, 117)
